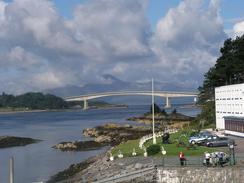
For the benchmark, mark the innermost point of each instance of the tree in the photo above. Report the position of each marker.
(156, 109)
(32, 101)
(208, 113)
(229, 69)
(164, 112)
(174, 111)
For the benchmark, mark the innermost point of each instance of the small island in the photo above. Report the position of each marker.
(11, 141)
(164, 119)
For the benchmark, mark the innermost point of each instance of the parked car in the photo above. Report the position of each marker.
(215, 141)
(209, 138)
(199, 137)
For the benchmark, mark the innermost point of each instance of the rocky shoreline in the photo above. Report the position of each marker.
(164, 120)
(99, 168)
(73, 170)
(11, 141)
(159, 117)
(110, 134)
(114, 134)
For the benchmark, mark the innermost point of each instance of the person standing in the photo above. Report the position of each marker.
(207, 158)
(182, 158)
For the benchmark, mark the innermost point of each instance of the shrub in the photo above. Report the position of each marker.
(153, 149)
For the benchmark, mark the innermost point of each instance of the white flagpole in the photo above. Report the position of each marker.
(154, 137)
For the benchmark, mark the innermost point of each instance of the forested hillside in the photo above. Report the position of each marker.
(229, 69)
(32, 101)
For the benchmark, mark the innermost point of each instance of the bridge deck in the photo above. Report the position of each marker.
(166, 94)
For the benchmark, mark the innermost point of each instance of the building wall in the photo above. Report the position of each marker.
(239, 134)
(200, 175)
(229, 101)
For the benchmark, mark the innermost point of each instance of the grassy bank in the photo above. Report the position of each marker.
(172, 149)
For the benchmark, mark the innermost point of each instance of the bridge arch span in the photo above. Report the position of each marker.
(164, 94)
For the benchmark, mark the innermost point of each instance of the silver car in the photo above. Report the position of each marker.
(216, 141)
(199, 137)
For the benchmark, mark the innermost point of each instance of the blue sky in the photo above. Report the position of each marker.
(231, 10)
(46, 44)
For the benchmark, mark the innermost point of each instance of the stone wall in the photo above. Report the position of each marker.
(200, 175)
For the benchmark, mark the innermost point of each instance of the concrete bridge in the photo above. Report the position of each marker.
(164, 94)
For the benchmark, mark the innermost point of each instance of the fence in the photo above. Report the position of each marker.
(150, 136)
(196, 162)
(162, 171)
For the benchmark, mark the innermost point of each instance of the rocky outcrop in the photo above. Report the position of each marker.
(100, 168)
(90, 132)
(72, 170)
(10, 141)
(114, 134)
(79, 146)
(103, 139)
(159, 118)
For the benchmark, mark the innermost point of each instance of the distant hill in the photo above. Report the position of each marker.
(32, 101)
(114, 84)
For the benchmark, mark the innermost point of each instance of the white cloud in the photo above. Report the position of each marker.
(39, 49)
(239, 28)
(2, 10)
(114, 29)
(47, 80)
(188, 38)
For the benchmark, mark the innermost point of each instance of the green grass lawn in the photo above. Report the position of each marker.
(171, 149)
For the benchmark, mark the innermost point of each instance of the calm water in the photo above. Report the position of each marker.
(37, 162)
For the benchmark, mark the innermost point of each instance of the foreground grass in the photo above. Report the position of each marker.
(172, 149)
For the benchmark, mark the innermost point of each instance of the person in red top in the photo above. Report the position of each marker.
(182, 158)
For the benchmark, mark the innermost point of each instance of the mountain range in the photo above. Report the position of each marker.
(112, 84)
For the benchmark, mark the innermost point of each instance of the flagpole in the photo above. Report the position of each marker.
(153, 122)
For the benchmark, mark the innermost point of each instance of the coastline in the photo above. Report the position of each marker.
(111, 116)
(110, 131)
(62, 110)
(21, 111)
(103, 162)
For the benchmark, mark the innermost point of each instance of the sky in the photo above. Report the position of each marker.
(46, 44)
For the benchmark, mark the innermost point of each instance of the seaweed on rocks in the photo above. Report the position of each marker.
(11, 141)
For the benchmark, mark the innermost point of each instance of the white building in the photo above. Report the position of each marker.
(229, 103)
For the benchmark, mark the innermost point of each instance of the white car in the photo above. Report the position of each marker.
(199, 137)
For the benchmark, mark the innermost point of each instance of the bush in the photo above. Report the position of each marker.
(153, 149)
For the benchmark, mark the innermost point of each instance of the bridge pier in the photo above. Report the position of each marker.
(168, 104)
(85, 106)
(195, 100)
